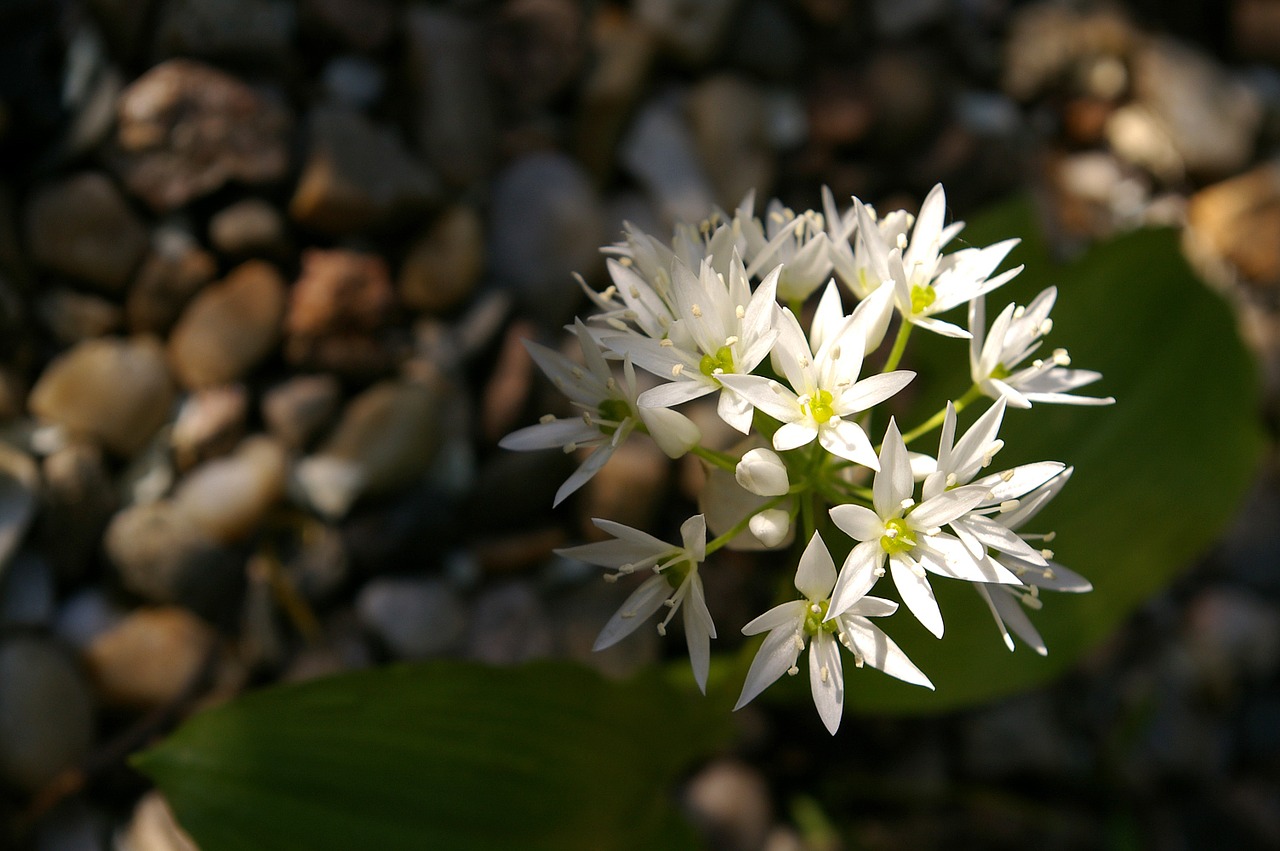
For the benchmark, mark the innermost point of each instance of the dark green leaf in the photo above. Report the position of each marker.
(442, 755)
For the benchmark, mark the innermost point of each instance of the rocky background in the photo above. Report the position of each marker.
(265, 267)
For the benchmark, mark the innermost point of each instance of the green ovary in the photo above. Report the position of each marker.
(922, 297)
(819, 406)
(898, 537)
(612, 412)
(723, 361)
(813, 623)
(1001, 372)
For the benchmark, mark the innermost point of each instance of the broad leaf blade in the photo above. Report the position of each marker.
(1158, 475)
(442, 755)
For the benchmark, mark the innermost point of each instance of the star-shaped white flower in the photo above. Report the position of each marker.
(792, 625)
(676, 584)
(609, 412)
(910, 536)
(798, 242)
(824, 392)
(721, 328)
(994, 357)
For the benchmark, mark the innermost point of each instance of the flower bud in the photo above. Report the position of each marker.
(763, 473)
(674, 433)
(770, 527)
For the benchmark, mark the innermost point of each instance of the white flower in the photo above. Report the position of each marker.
(770, 526)
(910, 536)
(676, 584)
(1015, 335)
(824, 387)
(609, 413)
(763, 473)
(798, 242)
(721, 327)
(792, 625)
(1007, 602)
(726, 503)
(851, 250)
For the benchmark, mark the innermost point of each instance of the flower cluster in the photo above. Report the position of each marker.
(716, 311)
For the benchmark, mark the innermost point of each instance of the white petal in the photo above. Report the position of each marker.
(947, 506)
(675, 393)
(893, 483)
(766, 394)
(1009, 614)
(816, 573)
(916, 594)
(560, 432)
(674, 433)
(585, 471)
(793, 436)
(879, 651)
(637, 608)
(871, 391)
(791, 612)
(858, 522)
(776, 656)
(872, 607)
(698, 630)
(826, 679)
(857, 575)
(693, 533)
(847, 440)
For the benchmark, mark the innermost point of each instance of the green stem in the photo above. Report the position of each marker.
(716, 459)
(899, 346)
(971, 395)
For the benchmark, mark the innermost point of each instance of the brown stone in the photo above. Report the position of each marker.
(150, 658)
(172, 273)
(82, 227)
(444, 263)
(1235, 223)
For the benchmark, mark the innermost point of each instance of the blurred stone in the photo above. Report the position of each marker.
(263, 645)
(174, 271)
(535, 49)
(622, 54)
(357, 176)
(1233, 638)
(579, 614)
(150, 659)
(507, 394)
(444, 263)
(452, 112)
(494, 505)
(690, 31)
(898, 18)
(153, 828)
(387, 437)
(365, 25)
(908, 94)
(82, 227)
(1084, 120)
(236, 31)
(509, 625)
(414, 618)
(629, 489)
(839, 109)
(1255, 29)
(26, 591)
(114, 391)
(46, 712)
(516, 552)
(19, 492)
(767, 42)
(227, 498)
(339, 291)
(210, 422)
(1230, 226)
(730, 801)
(73, 825)
(1019, 737)
(161, 554)
(660, 152)
(354, 81)
(73, 316)
(86, 614)
(124, 23)
(320, 567)
(76, 504)
(249, 226)
(1048, 41)
(229, 327)
(1209, 119)
(185, 129)
(298, 409)
(545, 225)
(729, 119)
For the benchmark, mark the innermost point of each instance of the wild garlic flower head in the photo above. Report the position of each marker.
(796, 243)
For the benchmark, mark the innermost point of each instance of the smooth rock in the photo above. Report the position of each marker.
(414, 618)
(174, 271)
(1230, 227)
(506, 397)
(46, 712)
(1048, 41)
(622, 53)
(629, 489)
(509, 625)
(114, 391)
(453, 117)
(337, 312)
(730, 801)
(767, 42)
(298, 409)
(321, 566)
(26, 591)
(161, 554)
(444, 263)
(358, 176)
(263, 645)
(19, 494)
(729, 118)
(87, 613)
(150, 658)
(1233, 638)
(660, 152)
(544, 226)
(73, 316)
(690, 31)
(534, 49)
(229, 327)
(78, 499)
(83, 228)
(185, 129)
(210, 422)
(73, 825)
(153, 828)
(1020, 736)
(354, 81)
(227, 497)
(247, 227)
(245, 31)
(1255, 29)
(386, 439)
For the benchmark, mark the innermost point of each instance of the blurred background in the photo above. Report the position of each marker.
(265, 267)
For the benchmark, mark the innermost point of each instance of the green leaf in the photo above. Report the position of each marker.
(441, 755)
(1158, 475)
